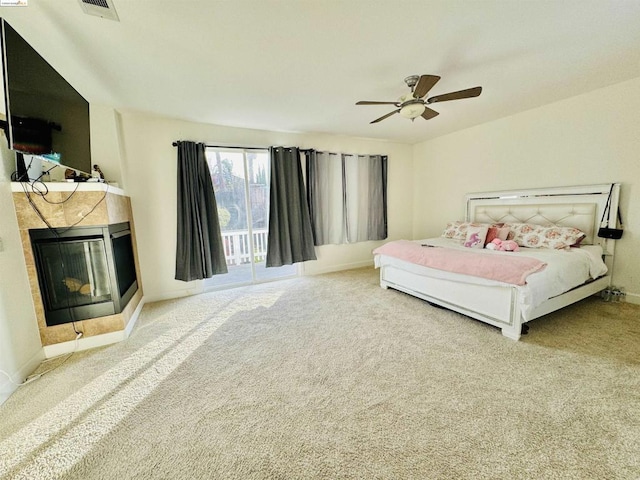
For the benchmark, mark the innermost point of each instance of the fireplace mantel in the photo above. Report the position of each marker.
(70, 187)
(69, 204)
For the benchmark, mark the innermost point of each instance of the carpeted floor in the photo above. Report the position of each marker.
(331, 377)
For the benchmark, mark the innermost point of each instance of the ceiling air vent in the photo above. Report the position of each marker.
(100, 8)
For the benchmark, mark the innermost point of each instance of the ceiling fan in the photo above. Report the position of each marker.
(413, 105)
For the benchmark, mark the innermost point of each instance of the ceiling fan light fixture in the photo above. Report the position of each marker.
(415, 103)
(412, 110)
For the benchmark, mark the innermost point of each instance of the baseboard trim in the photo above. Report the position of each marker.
(7, 388)
(52, 351)
(134, 317)
(339, 268)
(633, 298)
(187, 292)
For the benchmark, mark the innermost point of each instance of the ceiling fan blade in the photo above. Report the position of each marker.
(425, 84)
(468, 93)
(385, 116)
(366, 102)
(428, 114)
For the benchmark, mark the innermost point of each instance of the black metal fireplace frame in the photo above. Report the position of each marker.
(107, 233)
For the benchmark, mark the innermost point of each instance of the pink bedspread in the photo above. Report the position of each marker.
(507, 267)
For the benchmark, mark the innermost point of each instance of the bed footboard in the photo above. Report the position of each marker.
(495, 305)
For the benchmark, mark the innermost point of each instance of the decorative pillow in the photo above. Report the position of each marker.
(511, 234)
(475, 237)
(519, 230)
(497, 232)
(458, 230)
(538, 236)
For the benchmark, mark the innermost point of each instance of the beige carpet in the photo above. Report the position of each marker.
(331, 377)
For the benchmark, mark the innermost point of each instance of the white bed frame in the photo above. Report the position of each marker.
(579, 207)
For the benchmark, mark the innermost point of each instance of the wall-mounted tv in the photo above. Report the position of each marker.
(45, 115)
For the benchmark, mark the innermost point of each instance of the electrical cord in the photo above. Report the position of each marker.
(75, 329)
(39, 187)
(36, 376)
(14, 175)
(57, 231)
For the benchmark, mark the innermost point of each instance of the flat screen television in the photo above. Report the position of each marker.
(45, 115)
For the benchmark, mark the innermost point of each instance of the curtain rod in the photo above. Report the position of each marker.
(175, 144)
(304, 150)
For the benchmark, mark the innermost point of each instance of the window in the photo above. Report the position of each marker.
(241, 184)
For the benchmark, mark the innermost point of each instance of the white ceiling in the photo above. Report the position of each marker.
(301, 65)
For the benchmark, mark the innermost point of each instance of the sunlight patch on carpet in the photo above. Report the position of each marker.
(59, 438)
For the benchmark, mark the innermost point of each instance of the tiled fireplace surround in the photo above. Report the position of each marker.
(65, 209)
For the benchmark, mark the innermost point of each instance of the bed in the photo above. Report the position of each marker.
(582, 271)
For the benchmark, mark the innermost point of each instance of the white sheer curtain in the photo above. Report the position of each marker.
(356, 192)
(325, 196)
(347, 197)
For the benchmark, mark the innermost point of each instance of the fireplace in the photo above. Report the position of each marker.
(84, 272)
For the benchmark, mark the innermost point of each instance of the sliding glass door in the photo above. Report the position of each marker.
(241, 184)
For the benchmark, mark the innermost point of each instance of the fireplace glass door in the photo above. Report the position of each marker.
(84, 272)
(76, 273)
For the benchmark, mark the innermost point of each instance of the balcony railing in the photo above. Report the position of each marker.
(237, 247)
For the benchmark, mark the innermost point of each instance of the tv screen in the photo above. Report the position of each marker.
(45, 114)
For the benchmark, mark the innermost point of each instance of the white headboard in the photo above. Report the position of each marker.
(579, 206)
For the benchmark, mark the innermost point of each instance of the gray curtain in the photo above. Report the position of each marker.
(325, 197)
(377, 177)
(290, 238)
(199, 249)
(347, 197)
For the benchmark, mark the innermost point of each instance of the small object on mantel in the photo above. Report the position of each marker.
(97, 173)
(70, 175)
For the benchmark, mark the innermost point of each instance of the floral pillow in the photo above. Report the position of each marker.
(458, 230)
(538, 236)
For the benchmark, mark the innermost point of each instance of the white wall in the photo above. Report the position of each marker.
(150, 164)
(105, 142)
(20, 348)
(587, 139)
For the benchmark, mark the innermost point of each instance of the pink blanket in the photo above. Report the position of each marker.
(507, 267)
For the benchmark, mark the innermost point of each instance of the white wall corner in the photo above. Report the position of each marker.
(7, 387)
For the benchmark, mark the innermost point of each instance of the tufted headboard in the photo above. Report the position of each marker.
(580, 207)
